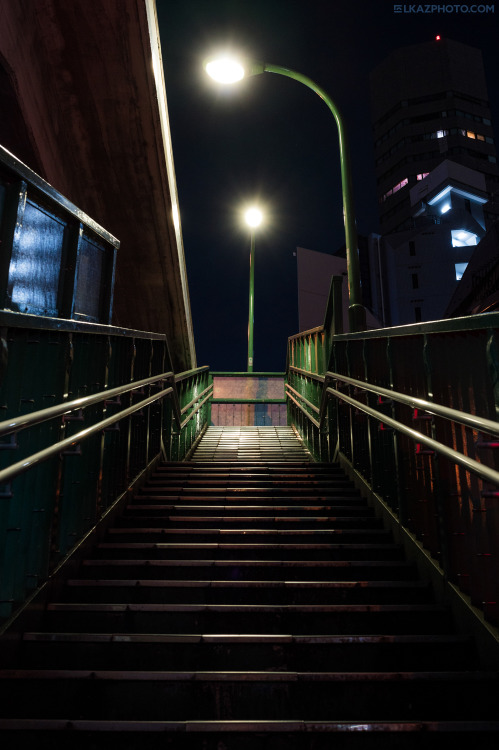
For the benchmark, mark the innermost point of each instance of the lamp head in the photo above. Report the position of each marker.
(253, 217)
(229, 69)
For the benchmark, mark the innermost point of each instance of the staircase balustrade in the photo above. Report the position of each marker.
(412, 412)
(88, 410)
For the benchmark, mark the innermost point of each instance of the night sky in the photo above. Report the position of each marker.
(272, 140)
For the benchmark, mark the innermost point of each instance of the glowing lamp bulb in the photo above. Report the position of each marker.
(253, 217)
(224, 70)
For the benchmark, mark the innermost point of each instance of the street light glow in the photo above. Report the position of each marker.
(224, 70)
(253, 217)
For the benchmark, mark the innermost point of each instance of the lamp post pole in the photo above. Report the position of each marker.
(251, 315)
(253, 218)
(356, 311)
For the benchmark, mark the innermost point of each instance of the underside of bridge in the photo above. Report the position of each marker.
(83, 103)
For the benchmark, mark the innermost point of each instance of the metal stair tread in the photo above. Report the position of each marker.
(260, 727)
(245, 675)
(233, 638)
(249, 608)
(165, 583)
(112, 562)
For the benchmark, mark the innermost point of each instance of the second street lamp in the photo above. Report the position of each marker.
(253, 218)
(228, 70)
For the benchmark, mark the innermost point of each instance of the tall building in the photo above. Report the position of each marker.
(429, 104)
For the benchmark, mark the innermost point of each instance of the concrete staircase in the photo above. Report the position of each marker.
(248, 598)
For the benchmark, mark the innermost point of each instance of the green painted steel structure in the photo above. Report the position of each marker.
(412, 412)
(87, 410)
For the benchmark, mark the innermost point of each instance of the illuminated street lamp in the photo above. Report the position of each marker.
(253, 218)
(228, 70)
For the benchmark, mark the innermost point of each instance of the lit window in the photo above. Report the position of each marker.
(441, 133)
(399, 185)
(395, 189)
(460, 269)
(480, 137)
(422, 175)
(470, 134)
(463, 238)
(446, 207)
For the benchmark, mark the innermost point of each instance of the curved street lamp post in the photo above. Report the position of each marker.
(225, 70)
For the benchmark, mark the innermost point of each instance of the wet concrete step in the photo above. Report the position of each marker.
(382, 653)
(176, 695)
(301, 619)
(247, 592)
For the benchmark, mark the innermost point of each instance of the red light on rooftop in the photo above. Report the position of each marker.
(438, 38)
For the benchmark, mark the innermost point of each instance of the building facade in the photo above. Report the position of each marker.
(429, 103)
(437, 177)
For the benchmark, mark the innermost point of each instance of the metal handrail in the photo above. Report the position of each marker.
(309, 416)
(307, 373)
(309, 403)
(490, 475)
(209, 391)
(36, 458)
(29, 420)
(196, 398)
(470, 420)
(187, 373)
(17, 424)
(484, 425)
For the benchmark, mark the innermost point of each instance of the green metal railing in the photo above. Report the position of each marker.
(413, 412)
(87, 411)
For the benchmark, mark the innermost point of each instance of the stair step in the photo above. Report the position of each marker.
(250, 490)
(352, 499)
(258, 511)
(251, 651)
(302, 619)
(259, 483)
(228, 551)
(187, 535)
(251, 569)
(159, 695)
(269, 522)
(247, 592)
(55, 734)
